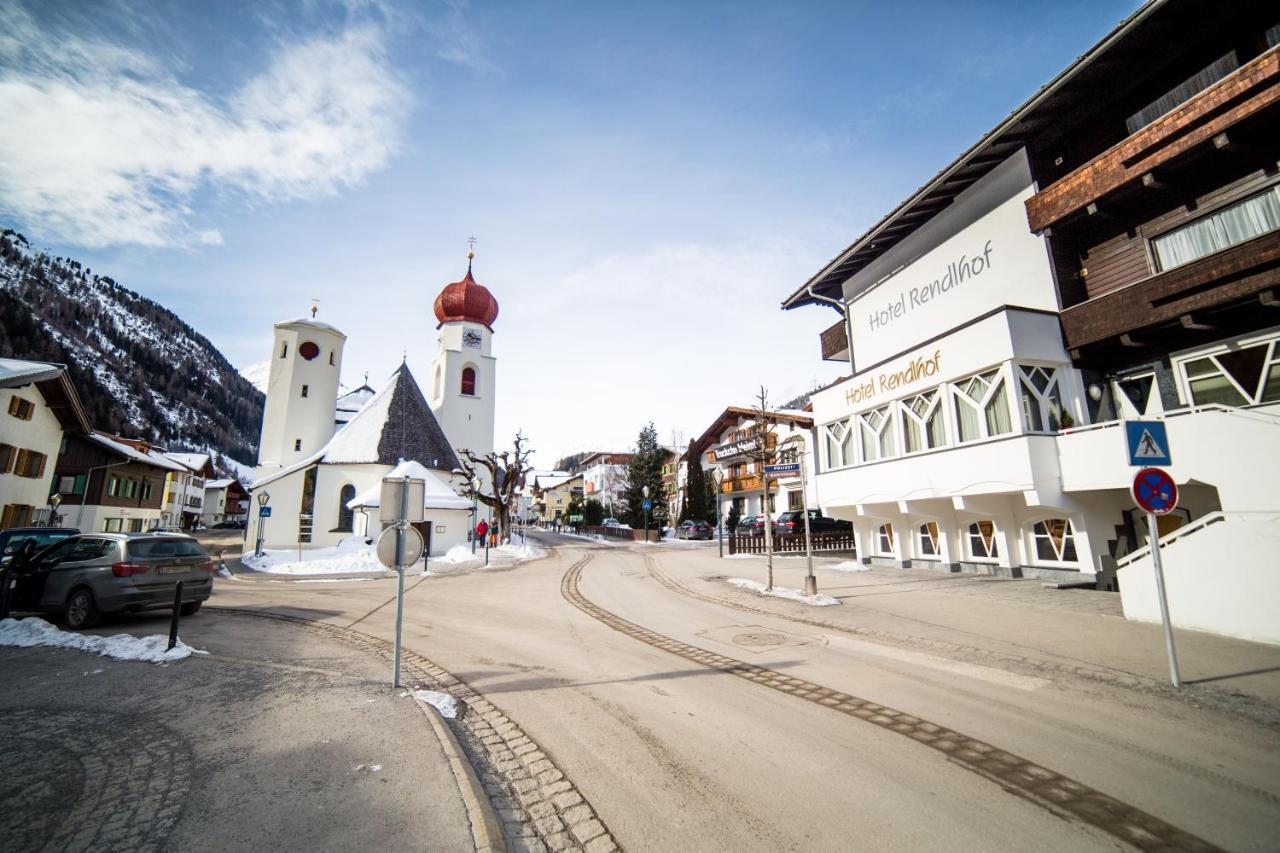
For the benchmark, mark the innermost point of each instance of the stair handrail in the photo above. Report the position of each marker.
(1188, 529)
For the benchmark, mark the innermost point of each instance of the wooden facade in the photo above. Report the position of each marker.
(83, 461)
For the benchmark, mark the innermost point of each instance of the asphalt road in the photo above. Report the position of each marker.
(675, 752)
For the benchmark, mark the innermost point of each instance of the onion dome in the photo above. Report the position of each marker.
(466, 300)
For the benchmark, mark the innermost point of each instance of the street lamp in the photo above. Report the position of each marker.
(717, 474)
(263, 499)
(475, 510)
(645, 491)
(54, 500)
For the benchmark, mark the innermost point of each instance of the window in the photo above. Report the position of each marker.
(922, 419)
(469, 381)
(7, 454)
(982, 408)
(795, 500)
(67, 485)
(929, 539)
(305, 389)
(130, 488)
(1183, 92)
(1241, 377)
(113, 525)
(331, 354)
(1041, 398)
(284, 349)
(839, 444)
(297, 444)
(884, 540)
(113, 487)
(146, 490)
(1136, 396)
(878, 438)
(135, 525)
(21, 409)
(29, 464)
(1217, 231)
(1054, 541)
(346, 517)
(982, 541)
(15, 515)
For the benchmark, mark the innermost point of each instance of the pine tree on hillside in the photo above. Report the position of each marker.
(645, 470)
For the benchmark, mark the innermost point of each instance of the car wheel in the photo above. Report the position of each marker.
(81, 611)
(190, 608)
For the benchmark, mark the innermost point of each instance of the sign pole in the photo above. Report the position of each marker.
(403, 517)
(810, 582)
(1153, 533)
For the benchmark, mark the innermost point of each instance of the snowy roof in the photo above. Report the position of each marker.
(194, 461)
(438, 493)
(350, 403)
(545, 482)
(55, 386)
(395, 424)
(151, 457)
(218, 484)
(307, 321)
(15, 372)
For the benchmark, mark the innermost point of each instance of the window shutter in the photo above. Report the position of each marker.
(40, 458)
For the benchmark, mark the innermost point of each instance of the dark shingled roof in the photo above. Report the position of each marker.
(411, 430)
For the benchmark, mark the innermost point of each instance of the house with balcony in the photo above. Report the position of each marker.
(184, 489)
(552, 495)
(111, 484)
(604, 479)
(737, 446)
(1106, 252)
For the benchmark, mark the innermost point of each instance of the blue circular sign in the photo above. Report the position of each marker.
(1155, 491)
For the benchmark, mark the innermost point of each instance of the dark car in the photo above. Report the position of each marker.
(694, 530)
(751, 525)
(227, 525)
(792, 521)
(84, 576)
(12, 540)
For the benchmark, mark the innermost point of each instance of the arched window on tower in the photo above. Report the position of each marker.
(469, 381)
(346, 516)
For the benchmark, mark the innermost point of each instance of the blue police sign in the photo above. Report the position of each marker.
(648, 505)
(782, 468)
(1148, 443)
(264, 512)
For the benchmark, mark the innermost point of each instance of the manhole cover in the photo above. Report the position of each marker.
(758, 639)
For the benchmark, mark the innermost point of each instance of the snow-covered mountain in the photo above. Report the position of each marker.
(140, 370)
(258, 374)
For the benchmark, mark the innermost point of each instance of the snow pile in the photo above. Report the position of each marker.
(352, 555)
(783, 592)
(850, 566)
(25, 633)
(520, 552)
(442, 702)
(459, 554)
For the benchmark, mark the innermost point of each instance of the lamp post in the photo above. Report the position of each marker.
(645, 506)
(475, 509)
(263, 499)
(717, 474)
(55, 500)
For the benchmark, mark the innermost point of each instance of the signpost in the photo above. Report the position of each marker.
(794, 448)
(1148, 443)
(401, 503)
(264, 512)
(1157, 494)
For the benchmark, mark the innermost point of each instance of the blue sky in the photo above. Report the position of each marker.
(646, 181)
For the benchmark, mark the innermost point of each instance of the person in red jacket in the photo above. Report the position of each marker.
(481, 529)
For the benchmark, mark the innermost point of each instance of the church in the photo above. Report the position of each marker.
(323, 456)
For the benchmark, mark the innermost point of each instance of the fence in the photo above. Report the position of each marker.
(790, 543)
(614, 532)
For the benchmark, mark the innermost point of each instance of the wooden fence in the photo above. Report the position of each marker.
(790, 543)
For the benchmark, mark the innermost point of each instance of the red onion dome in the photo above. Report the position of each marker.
(466, 300)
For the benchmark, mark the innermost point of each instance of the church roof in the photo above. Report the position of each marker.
(466, 300)
(395, 424)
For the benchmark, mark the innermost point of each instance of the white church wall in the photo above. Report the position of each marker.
(291, 420)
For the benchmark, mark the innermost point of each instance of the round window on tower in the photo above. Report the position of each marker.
(308, 350)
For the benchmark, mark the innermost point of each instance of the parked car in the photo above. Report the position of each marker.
(792, 521)
(227, 525)
(12, 540)
(85, 576)
(751, 525)
(694, 530)
(613, 522)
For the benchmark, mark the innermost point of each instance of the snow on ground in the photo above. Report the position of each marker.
(784, 592)
(503, 555)
(849, 566)
(25, 633)
(442, 702)
(458, 554)
(352, 555)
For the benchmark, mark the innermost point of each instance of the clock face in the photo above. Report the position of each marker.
(308, 350)
(471, 338)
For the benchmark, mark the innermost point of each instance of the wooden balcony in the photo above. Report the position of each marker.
(746, 483)
(835, 342)
(1248, 90)
(1218, 279)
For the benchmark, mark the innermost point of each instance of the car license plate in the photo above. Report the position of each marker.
(173, 570)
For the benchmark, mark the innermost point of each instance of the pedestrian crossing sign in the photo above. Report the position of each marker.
(1148, 443)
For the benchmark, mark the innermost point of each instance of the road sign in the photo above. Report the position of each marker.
(264, 512)
(783, 468)
(1155, 491)
(413, 547)
(389, 500)
(1148, 443)
(575, 519)
(647, 505)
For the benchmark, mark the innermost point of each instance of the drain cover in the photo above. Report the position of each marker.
(758, 639)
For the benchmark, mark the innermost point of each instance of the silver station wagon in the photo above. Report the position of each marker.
(85, 576)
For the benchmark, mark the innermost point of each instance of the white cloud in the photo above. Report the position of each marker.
(101, 146)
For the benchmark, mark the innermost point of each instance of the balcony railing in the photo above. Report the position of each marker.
(747, 483)
(1251, 88)
(835, 343)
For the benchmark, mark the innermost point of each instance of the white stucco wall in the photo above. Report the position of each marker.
(42, 434)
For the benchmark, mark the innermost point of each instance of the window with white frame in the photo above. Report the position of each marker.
(876, 434)
(982, 406)
(884, 540)
(1243, 376)
(1136, 395)
(982, 541)
(929, 539)
(923, 428)
(1041, 398)
(1053, 541)
(839, 442)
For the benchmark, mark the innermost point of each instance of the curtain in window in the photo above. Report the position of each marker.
(997, 412)
(1238, 223)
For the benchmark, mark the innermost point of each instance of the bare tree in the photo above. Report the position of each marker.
(505, 472)
(762, 455)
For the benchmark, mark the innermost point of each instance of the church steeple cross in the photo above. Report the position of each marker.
(315, 306)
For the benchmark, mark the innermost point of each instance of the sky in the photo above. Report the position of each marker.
(645, 181)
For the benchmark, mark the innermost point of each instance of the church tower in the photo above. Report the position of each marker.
(302, 387)
(462, 378)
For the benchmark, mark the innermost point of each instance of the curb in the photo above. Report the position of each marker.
(486, 831)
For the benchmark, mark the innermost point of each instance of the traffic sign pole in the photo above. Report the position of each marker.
(400, 525)
(1153, 533)
(1157, 493)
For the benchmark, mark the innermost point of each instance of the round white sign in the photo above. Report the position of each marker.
(387, 547)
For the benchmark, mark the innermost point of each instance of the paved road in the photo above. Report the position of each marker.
(829, 740)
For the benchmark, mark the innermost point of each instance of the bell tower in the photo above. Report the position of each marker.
(302, 390)
(465, 370)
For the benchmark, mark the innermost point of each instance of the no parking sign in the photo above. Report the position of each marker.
(1155, 491)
